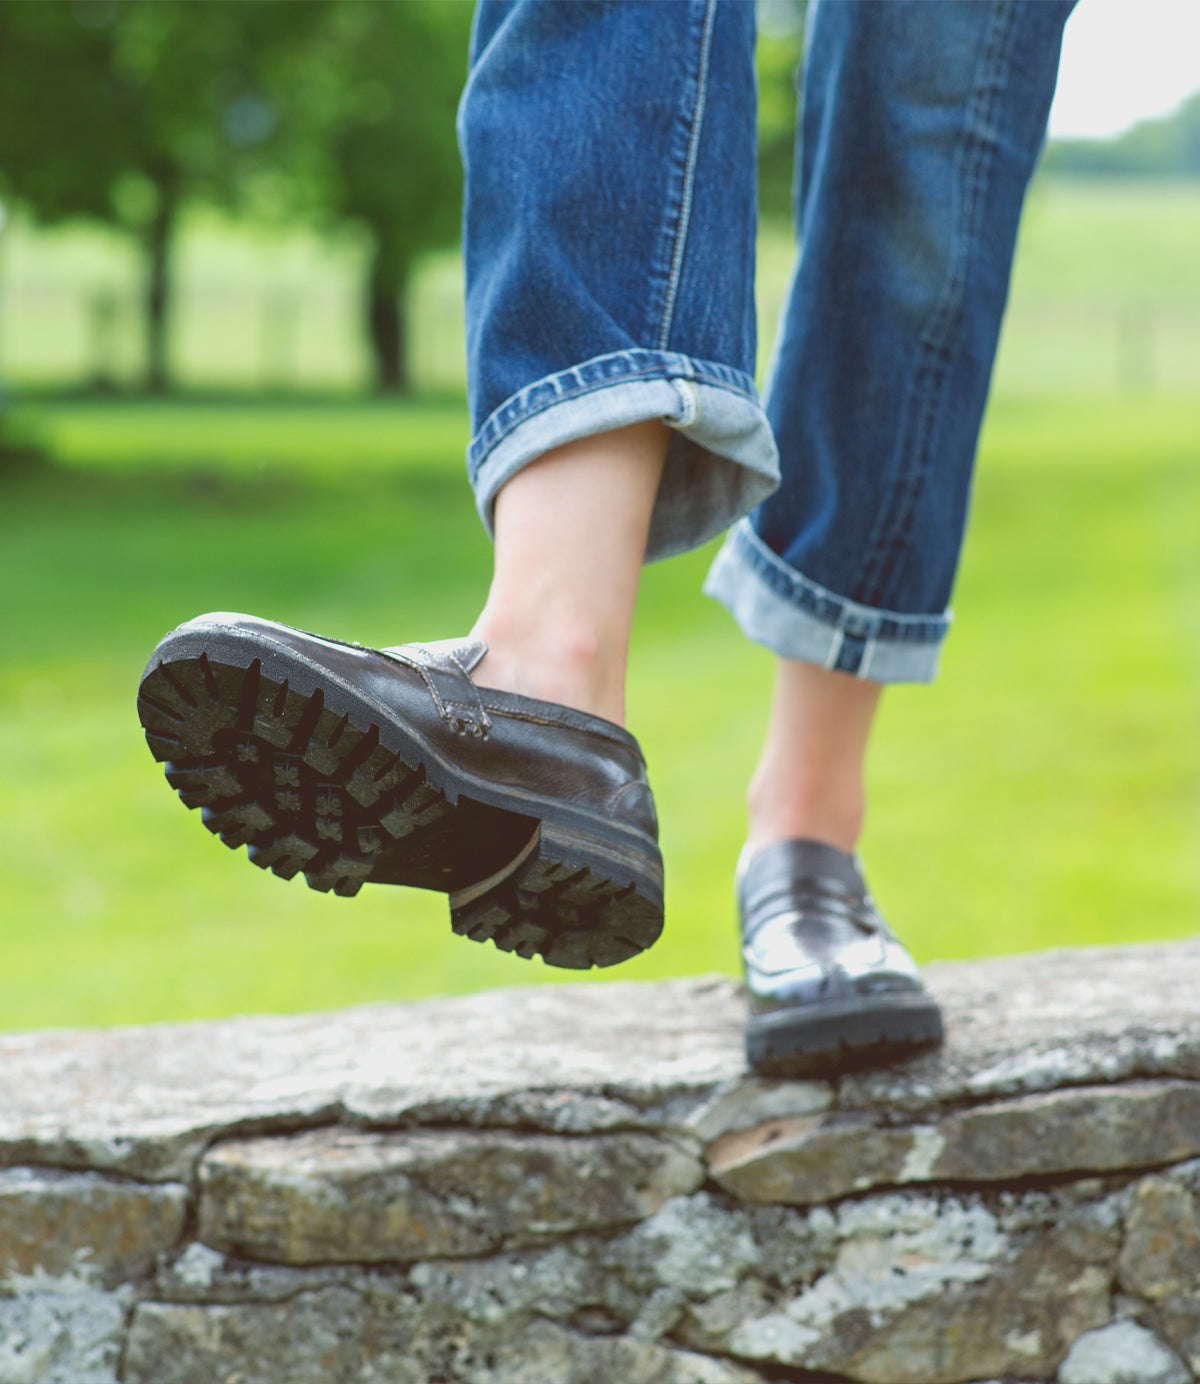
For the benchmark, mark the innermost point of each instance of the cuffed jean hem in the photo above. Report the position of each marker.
(721, 461)
(794, 617)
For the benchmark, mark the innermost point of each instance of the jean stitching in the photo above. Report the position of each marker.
(689, 176)
(890, 539)
(868, 653)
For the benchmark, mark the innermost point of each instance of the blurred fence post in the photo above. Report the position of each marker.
(280, 317)
(1135, 349)
(3, 299)
(101, 308)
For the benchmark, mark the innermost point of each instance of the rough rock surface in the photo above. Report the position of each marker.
(1097, 1128)
(65, 1334)
(1123, 1353)
(931, 1289)
(340, 1196)
(1016, 1025)
(1161, 1254)
(92, 1227)
(583, 1184)
(379, 1332)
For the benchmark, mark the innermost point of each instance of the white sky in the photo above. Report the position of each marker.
(1124, 60)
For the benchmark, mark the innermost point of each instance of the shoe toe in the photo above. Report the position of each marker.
(829, 985)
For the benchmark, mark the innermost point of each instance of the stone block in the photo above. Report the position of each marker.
(67, 1334)
(926, 1291)
(1097, 1129)
(752, 1101)
(338, 1196)
(1094, 1129)
(336, 1336)
(1122, 1353)
(809, 1159)
(558, 1058)
(1177, 1319)
(1161, 1254)
(83, 1225)
(332, 1335)
(695, 1250)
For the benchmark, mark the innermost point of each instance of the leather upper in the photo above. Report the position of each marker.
(811, 931)
(535, 749)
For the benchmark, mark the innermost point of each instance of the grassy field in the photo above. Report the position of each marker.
(1045, 791)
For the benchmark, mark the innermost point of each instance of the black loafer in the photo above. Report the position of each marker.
(390, 766)
(829, 985)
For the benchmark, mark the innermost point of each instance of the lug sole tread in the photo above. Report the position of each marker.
(308, 790)
(870, 1038)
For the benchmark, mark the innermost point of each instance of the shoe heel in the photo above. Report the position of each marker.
(572, 898)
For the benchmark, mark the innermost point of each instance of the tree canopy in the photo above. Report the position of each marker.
(1165, 147)
(125, 110)
(332, 111)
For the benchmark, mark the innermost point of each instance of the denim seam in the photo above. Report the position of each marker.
(689, 177)
(518, 408)
(841, 614)
(889, 540)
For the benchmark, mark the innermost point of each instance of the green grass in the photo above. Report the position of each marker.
(1045, 791)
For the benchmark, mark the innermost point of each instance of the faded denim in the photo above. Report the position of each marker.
(609, 246)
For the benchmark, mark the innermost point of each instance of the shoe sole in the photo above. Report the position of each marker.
(833, 1036)
(297, 769)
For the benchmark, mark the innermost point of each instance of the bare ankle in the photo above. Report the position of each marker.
(573, 670)
(570, 538)
(809, 782)
(785, 810)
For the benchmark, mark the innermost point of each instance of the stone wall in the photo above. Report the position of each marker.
(582, 1184)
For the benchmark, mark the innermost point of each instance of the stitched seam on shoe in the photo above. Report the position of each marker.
(418, 667)
(476, 705)
(537, 720)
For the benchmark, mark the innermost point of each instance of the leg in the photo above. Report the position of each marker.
(920, 127)
(571, 535)
(609, 248)
(608, 241)
(809, 779)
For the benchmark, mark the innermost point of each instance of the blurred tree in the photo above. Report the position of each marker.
(1166, 147)
(778, 57)
(379, 106)
(122, 110)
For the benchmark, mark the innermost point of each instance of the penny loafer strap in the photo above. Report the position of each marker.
(811, 895)
(804, 877)
(445, 667)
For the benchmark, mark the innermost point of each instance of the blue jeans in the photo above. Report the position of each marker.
(609, 243)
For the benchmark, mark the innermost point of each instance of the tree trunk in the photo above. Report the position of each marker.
(386, 317)
(158, 285)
